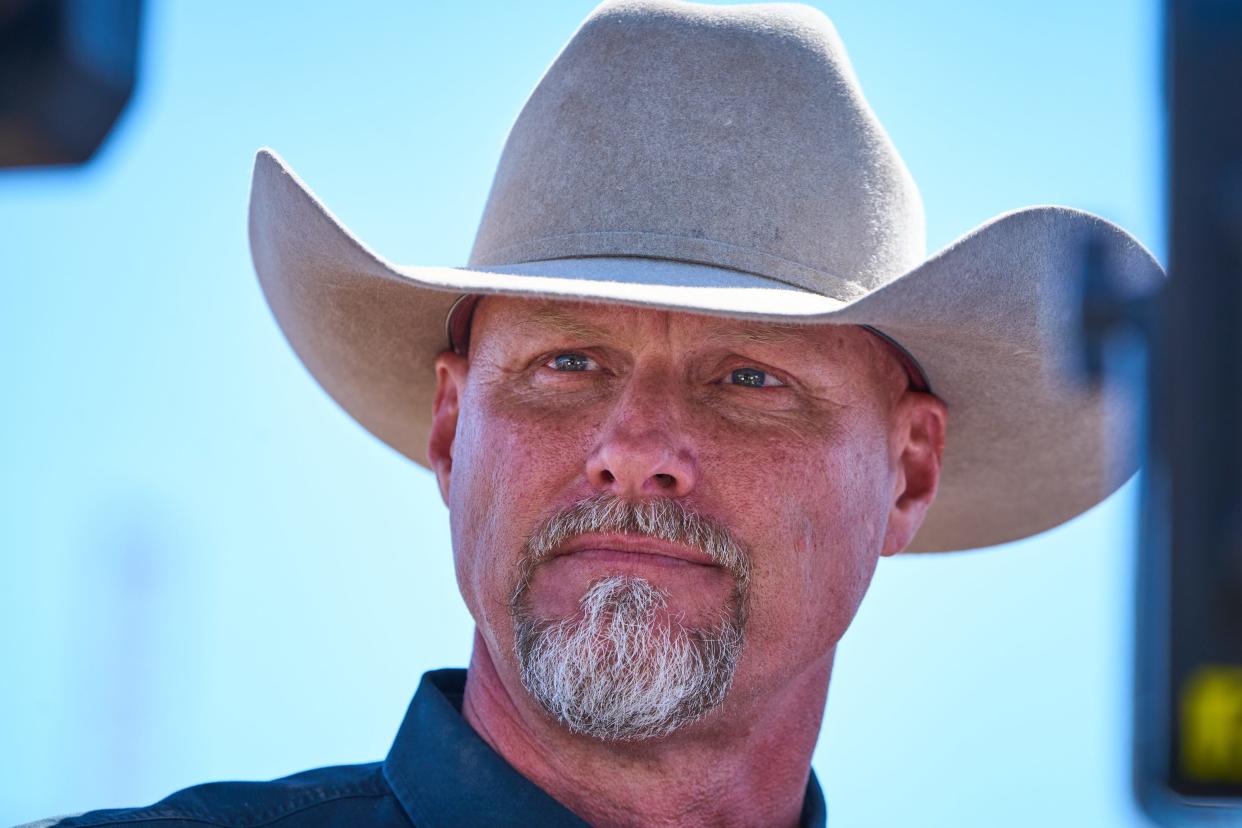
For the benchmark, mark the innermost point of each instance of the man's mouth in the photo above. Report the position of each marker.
(628, 548)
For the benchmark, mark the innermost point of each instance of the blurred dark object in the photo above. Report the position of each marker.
(1188, 678)
(67, 69)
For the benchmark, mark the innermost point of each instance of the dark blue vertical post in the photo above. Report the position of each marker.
(1188, 711)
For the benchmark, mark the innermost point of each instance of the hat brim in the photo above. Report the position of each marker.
(991, 318)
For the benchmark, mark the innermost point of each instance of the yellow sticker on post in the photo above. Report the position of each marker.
(1211, 724)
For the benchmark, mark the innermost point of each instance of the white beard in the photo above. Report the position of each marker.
(618, 671)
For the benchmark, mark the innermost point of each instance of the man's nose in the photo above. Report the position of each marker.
(642, 452)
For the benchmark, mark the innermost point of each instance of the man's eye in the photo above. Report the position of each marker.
(753, 378)
(571, 362)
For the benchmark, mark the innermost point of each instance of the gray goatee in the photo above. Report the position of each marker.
(616, 670)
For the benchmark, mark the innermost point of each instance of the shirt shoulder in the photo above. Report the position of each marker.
(346, 795)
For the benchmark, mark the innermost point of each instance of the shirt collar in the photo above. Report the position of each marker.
(443, 774)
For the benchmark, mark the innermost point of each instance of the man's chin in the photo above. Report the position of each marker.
(624, 668)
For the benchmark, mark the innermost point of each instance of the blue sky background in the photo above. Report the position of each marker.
(209, 571)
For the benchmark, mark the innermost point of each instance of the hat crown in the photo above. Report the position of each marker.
(734, 136)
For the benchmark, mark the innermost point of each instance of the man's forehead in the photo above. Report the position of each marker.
(595, 320)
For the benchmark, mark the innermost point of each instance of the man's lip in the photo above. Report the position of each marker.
(634, 544)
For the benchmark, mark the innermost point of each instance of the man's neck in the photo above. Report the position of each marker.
(754, 772)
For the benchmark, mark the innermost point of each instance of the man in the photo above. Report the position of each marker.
(695, 381)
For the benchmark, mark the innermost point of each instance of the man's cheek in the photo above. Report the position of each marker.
(504, 483)
(488, 456)
(520, 442)
(815, 549)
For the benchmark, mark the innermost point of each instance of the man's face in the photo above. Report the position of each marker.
(797, 448)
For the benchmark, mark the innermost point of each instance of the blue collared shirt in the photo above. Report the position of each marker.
(438, 773)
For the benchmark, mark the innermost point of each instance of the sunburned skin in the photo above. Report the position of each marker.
(805, 442)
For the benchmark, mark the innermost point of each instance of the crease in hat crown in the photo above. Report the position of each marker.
(734, 137)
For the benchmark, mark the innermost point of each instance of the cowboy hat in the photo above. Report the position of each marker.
(724, 161)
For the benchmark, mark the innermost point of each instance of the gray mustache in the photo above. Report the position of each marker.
(661, 518)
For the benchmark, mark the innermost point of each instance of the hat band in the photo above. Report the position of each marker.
(693, 250)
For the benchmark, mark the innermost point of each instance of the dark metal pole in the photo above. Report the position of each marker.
(1188, 704)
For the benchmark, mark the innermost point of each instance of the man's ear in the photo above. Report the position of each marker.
(450, 383)
(917, 446)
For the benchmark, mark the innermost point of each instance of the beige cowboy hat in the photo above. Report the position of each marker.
(724, 161)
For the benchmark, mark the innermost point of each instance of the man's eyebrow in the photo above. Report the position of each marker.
(557, 321)
(759, 333)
